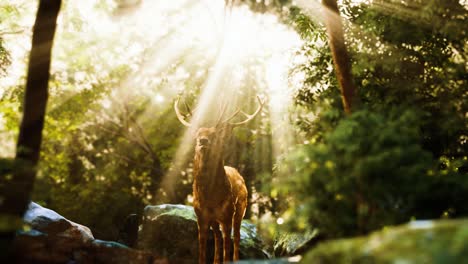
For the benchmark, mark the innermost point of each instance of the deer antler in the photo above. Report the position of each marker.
(223, 110)
(179, 115)
(249, 117)
(182, 117)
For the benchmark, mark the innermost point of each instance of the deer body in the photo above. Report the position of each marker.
(219, 192)
(219, 196)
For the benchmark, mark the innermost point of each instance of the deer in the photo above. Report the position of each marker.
(219, 192)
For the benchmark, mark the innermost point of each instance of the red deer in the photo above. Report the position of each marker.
(219, 192)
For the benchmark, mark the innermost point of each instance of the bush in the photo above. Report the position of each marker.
(370, 171)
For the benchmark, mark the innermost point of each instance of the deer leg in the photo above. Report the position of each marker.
(218, 239)
(236, 227)
(226, 227)
(237, 222)
(202, 236)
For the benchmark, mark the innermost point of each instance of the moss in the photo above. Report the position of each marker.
(183, 211)
(417, 242)
(108, 244)
(289, 244)
(171, 231)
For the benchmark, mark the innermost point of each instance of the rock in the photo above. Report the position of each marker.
(291, 260)
(108, 244)
(171, 231)
(112, 252)
(51, 223)
(291, 244)
(251, 246)
(444, 241)
(54, 239)
(36, 247)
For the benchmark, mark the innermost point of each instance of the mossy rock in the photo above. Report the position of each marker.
(290, 244)
(171, 231)
(108, 244)
(444, 241)
(55, 239)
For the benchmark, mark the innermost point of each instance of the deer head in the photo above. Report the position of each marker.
(209, 140)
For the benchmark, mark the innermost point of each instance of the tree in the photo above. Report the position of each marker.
(339, 52)
(17, 189)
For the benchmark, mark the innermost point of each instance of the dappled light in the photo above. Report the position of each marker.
(323, 120)
(229, 64)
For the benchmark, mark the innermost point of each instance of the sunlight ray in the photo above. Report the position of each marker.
(234, 51)
(207, 96)
(232, 56)
(178, 42)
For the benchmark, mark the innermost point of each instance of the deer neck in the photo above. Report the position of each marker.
(209, 173)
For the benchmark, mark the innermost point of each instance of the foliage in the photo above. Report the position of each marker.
(6, 14)
(274, 6)
(78, 160)
(4, 58)
(369, 172)
(388, 161)
(111, 137)
(419, 61)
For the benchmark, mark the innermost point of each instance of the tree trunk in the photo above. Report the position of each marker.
(339, 53)
(18, 187)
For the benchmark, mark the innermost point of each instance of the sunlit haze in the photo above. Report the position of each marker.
(168, 44)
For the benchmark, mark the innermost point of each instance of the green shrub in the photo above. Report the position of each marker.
(370, 171)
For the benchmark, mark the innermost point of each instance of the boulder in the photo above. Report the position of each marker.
(37, 247)
(171, 231)
(51, 238)
(292, 244)
(100, 251)
(51, 223)
(269, 261)
(443, 241)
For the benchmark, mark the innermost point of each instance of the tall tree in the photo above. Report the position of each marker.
(339, 53)
(18, 188)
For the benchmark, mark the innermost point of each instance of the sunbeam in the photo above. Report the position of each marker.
(270, 54)
(165, 45)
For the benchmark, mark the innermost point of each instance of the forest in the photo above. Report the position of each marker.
(347, 119)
